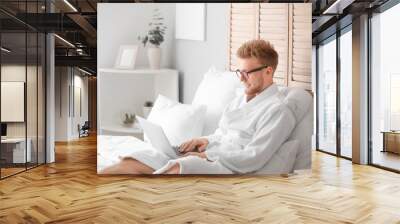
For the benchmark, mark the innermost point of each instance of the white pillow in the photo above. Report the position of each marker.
(300, 102)
(180, 122)
(216, 91)
(282, 162)
(303, 132)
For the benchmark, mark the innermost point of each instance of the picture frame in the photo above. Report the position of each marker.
(190, 21)
(126, 57)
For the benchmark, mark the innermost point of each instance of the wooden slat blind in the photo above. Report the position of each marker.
(300, 74)
(243, 27)
(287, 26)
(274, 28)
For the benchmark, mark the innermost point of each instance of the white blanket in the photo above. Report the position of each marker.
(111, 149)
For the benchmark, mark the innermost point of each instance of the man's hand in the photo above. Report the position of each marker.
(199, 154)
(197, 143)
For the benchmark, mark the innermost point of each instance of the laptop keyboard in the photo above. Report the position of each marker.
(176, 148)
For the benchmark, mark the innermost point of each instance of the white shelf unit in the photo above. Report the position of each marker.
(17, 146)
(125, 91)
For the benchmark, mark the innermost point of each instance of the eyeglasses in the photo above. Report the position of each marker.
(246, 73)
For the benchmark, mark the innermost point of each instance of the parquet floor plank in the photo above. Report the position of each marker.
(70, 191)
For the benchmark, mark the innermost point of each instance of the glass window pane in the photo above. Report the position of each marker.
(327, 96)
(346, 94)
(22, 89)
(13, 86)
(385, 84)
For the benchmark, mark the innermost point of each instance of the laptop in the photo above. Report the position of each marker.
(157, 138)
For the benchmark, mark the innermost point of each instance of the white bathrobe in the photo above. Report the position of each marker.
(248, 135)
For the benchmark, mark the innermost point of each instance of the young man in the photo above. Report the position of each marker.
(252, 128)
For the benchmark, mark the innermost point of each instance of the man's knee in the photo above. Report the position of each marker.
(134, 166)
(128, 160)
(175, 169)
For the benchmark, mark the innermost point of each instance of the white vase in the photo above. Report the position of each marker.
(146, 111)
(154, 55)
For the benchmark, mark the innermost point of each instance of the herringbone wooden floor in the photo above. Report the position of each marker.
(70, 191)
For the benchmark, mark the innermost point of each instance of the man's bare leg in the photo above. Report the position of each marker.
(128, 166)
(175, 169)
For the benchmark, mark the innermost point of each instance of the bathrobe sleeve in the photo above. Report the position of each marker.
(214, 138)
(272, 130)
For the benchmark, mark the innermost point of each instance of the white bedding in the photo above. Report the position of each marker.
(111, 148)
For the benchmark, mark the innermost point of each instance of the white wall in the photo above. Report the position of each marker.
(82, 82)
(66, 122)
(122, 23)
(61, 103)
(194, 58)
(191, 58)
(120, 95)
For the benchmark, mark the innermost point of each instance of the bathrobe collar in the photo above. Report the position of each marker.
(266, 93)
(247, 107)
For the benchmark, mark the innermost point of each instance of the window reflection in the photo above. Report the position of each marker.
(14, 153)
(346, 94)
(385, 84)
(327, 96)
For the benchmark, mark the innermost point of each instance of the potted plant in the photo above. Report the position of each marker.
(129, 119)
(155, 36)
(148, 105)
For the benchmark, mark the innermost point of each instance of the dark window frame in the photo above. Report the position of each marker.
(334, 37)
(30, 29)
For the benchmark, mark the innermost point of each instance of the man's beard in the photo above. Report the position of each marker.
(253, 90)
